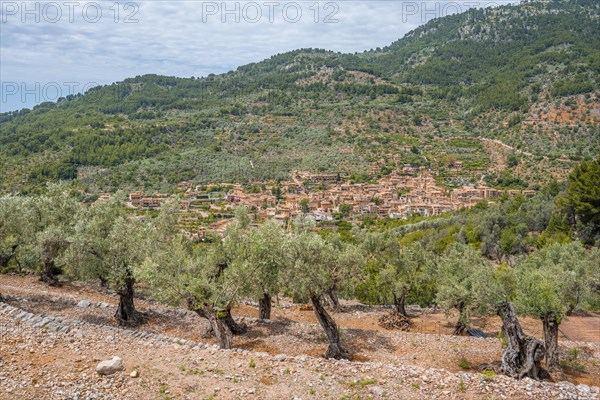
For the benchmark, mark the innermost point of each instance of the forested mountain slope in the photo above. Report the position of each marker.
(524, 76)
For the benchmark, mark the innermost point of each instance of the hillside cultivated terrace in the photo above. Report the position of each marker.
(53, 339)
(523, 75)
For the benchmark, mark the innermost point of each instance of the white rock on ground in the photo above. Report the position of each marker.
(109, 367)
(84, 304)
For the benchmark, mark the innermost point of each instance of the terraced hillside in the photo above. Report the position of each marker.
(524, 75)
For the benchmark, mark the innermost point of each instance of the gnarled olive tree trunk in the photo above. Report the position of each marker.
(335, 349)
(551, 341)
(126, 313)
(221, 322)
(461, 325)
(103, 282)
(523, 355)
(218, 326)
(48, 272)
(5, 258)
(264, 306)
(234, 327)
(331, 298)
(400, 303)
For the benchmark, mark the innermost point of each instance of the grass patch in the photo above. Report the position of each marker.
(363, 383)
(571, 361)
(488, 376)
(461, 386)
(464, 363)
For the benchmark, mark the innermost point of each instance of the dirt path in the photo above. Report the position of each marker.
(506, 146)
(582, 329)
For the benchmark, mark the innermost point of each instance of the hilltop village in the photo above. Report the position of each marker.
(324, 197)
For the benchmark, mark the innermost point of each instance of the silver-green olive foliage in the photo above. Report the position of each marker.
(408, 271)
(556, 279)
(87, 257)
(460, 272)
(18, 224)
(317, 264)
(176, 272)
(55, 214)
(257, 256)
(106, 244)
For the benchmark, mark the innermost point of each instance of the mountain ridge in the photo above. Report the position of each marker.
(469, 75)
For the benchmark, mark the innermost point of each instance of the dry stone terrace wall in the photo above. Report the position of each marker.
(374, 379)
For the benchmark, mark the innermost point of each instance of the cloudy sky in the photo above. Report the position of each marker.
(54, 48)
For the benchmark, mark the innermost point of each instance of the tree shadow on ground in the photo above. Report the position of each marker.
(366, 340)
(100, 320)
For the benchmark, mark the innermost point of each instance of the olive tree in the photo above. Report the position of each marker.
(308, 276)
(128, 248)
(457, 272)
(107, 245)
(86, 257)
(17, 227)
(346, 264)
(409, 270)
(256, 259)
(57, 211)
(552, 281)
(494, 289)
(176, 273)
(221, 257)
(377, 248)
